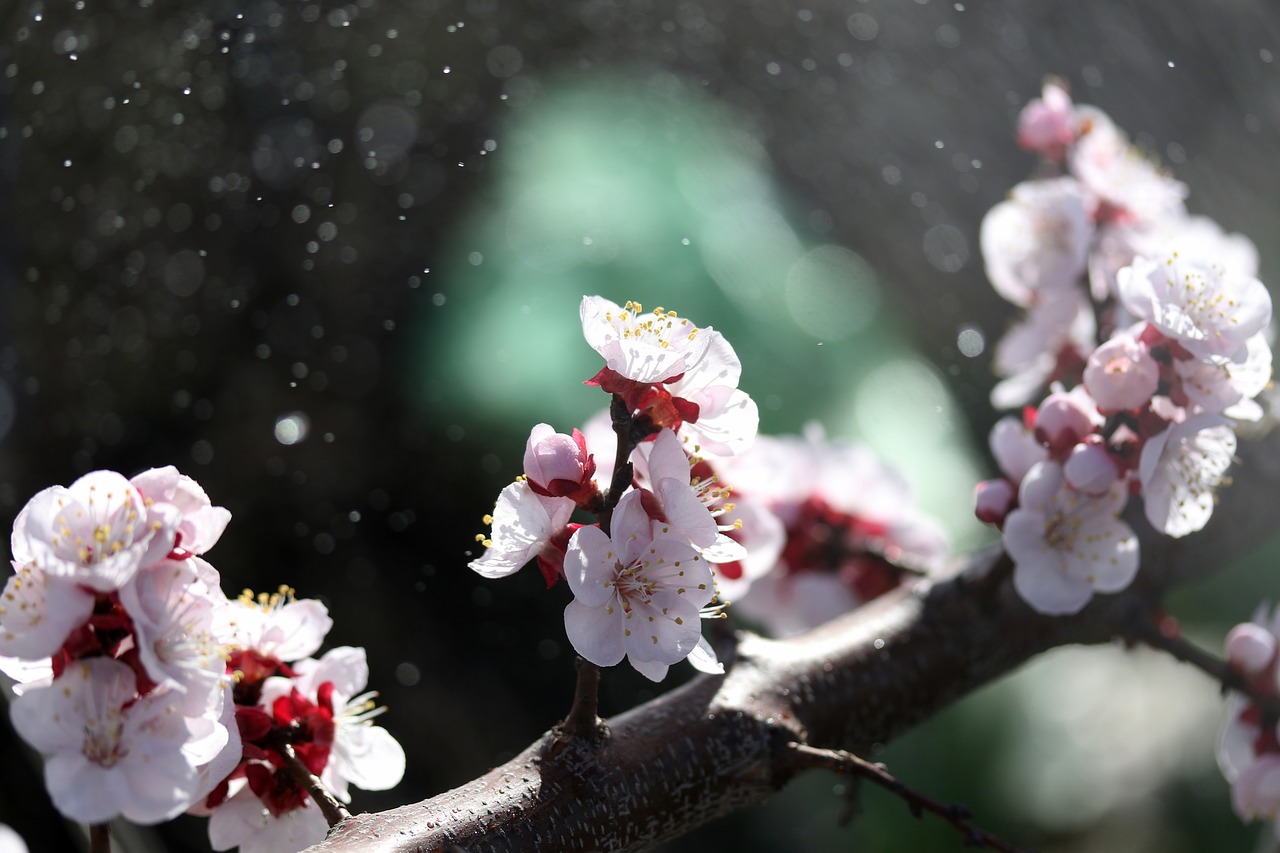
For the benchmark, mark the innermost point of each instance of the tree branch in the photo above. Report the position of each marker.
(712, 746)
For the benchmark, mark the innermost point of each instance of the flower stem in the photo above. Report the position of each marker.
(622, 421)
(334, 812)
(1165, 635)
(583, 718)
(100, 838)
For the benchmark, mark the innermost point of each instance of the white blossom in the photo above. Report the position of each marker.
(1067, 545)
(637, 593)
(1180, 469)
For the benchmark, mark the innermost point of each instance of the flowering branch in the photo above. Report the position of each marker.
(846, 763)
(1164, 634)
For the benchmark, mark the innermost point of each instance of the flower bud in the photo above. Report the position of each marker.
(1250, 648)
(1121, 374)
(558, 465)
(993, 500)
(1090, 469)
(1064, 419)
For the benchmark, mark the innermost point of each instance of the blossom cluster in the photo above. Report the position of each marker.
(1249, 745)
(149, 693)
(691, 509)
(1143, 344)
(641, 575)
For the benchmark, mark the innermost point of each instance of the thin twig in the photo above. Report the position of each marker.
(802, 756)
(100, 838)
(1164, 634)
(334, 812)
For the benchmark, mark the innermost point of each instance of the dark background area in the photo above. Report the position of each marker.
(218, 215)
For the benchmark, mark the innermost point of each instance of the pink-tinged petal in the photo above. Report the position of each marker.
(704, 659)
(1256, 791)
(1251, 648)
(1040, 580)
(347, 667)
(299, 629)
(667, 459)
(1107, 559)
(1180, 470)
(1041, 485)
(595, 632)
(652, 670)
(667, 629)
(522, 523)
(1235, 741)
(1121, 374)
(1090, 469)
(37, 613)
(1038, 240)
(630, 527)
(727, 430)
(590, 564)
(686, 513)
(83, 791)
(1211, 311)
(644, 347)
(370, 757)
(1015, 448)
(202, 523)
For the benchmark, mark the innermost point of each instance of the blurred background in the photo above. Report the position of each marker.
(326, 258)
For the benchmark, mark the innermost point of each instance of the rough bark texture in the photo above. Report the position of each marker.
(713, 746)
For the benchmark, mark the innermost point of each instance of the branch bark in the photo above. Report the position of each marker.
(713, 746)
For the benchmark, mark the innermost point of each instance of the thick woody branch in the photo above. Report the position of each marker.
(714, 745)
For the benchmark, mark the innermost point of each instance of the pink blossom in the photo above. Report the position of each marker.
(1064, 419)
(1090, 469)
(1015, 448)
(559, 465)
(1251, 649)
(1047, 124)
(993, 500)
(1121, 374)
